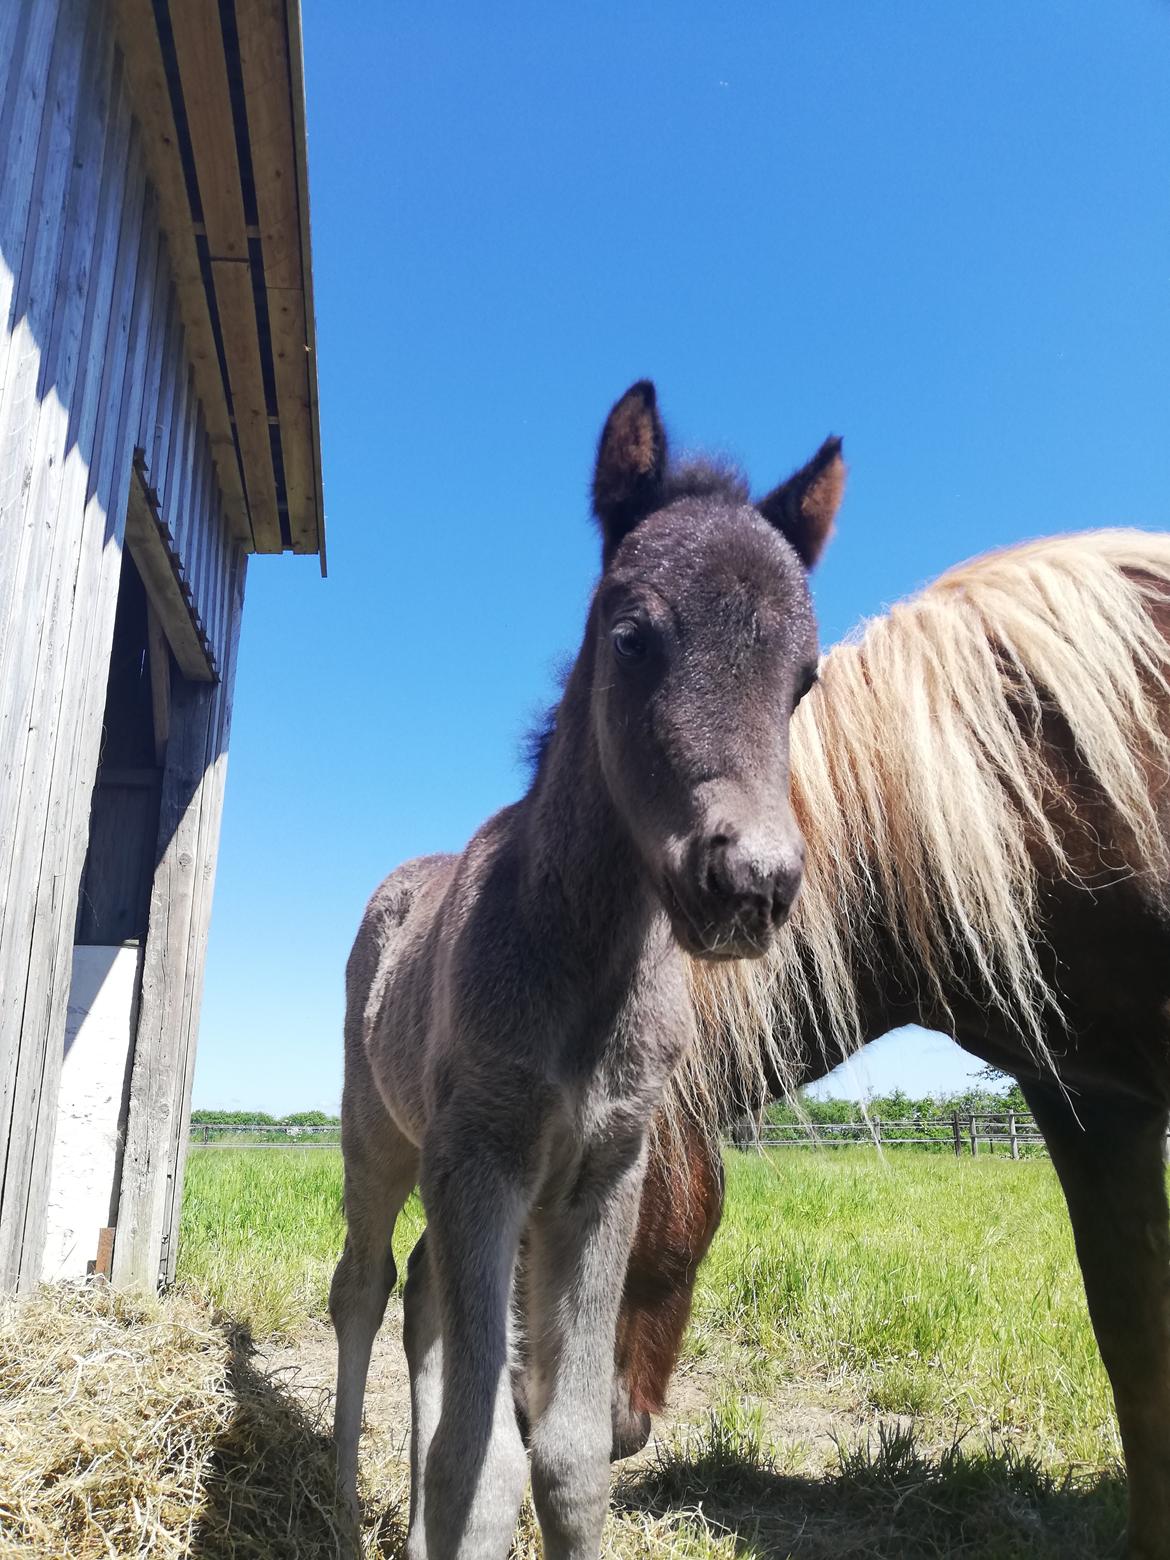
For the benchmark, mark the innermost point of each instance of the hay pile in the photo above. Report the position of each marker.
(132, 1426)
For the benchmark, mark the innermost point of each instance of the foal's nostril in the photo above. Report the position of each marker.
(719, 877)
(785, 887)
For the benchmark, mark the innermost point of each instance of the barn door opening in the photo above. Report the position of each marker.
(111, 926)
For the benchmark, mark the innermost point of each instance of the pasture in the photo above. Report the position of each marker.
(887, 1358)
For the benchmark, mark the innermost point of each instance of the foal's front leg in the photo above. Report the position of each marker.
(474, 1472)
(579, 1247)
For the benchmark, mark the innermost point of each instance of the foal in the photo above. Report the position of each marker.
(514, 1012)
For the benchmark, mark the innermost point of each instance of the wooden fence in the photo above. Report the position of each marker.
(958, 1132)
(1009, 1132)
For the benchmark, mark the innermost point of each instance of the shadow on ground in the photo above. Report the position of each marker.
(886, 1501)
(270, 1496)
(270, 1477)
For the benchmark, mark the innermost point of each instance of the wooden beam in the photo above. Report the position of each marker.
(158, 567)
(300, 141)
(208, 102)
(261, 28)
(146, 74)
(292, 367)
(264, 60)
(172, 972)
(237, 318)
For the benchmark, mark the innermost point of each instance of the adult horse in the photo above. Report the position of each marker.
(513, 1013)
(983, 782)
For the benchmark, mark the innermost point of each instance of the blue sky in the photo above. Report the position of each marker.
(942, 231)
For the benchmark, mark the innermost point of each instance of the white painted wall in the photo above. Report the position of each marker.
(98, 1036)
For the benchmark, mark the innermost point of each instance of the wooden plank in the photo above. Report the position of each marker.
(171, 488)
(300, 140)
(157, 568)
(183, 523)
(237, 318)
(207, 99)
(77, 748)
(211, 821)
(159, 448)
(211, 824)
(28, 346)
(173, 970)
(264, 60)
(159, 656)
(77, 755)
(208, 559)
(22, 114)
(138, 35)
(221, 558)
(155, 344)
(76, 720)
(292, 366)
(262, 30)
(197, 530)
(208, 103)
(30, 703)
(13, 20)
(102, 1263)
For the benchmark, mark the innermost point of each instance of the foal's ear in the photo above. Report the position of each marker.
(631, 464)
(803, 508)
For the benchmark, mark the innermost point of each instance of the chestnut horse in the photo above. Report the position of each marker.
(983, 782)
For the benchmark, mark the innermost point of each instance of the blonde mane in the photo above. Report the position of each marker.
(923, 788)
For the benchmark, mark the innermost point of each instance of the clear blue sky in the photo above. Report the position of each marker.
(942, 231)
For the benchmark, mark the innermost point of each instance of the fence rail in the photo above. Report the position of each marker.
(263, 1134)
(958, 1132)
(1008, 1132)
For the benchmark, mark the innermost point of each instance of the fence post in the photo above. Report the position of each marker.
(958, 1134)
(877, 1130)
(1015, 1142)
(207, 1134)
(974, 1136)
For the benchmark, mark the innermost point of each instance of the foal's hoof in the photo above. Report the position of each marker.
(631, 1431)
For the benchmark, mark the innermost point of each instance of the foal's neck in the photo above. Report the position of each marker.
(583, 884)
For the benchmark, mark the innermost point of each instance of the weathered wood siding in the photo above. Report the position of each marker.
(91, 368)
(172, 974)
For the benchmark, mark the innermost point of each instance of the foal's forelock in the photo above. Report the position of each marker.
(922, 793)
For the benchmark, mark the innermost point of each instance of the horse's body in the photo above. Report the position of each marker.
(983, 780)
(513, 1013)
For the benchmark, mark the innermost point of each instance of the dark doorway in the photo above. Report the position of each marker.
(114, 903)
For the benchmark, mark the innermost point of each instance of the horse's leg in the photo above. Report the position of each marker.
(380, 1172)
(473, 1477)
(682, 1200)
(577, 1259)
(1108, 1153)
(422, 1335)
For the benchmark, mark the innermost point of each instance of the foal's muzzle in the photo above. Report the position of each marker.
(733, 893)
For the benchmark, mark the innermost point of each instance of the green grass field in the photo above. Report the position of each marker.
(938, 1295)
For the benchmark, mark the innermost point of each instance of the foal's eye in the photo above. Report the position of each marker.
(629, 642)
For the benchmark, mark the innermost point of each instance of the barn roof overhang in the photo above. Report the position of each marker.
(218, 88)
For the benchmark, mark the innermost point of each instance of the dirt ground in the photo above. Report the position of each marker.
(804, 1420)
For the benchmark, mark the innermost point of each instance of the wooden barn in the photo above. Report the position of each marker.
(158, 426)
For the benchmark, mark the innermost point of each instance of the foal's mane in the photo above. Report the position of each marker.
(920, 780)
